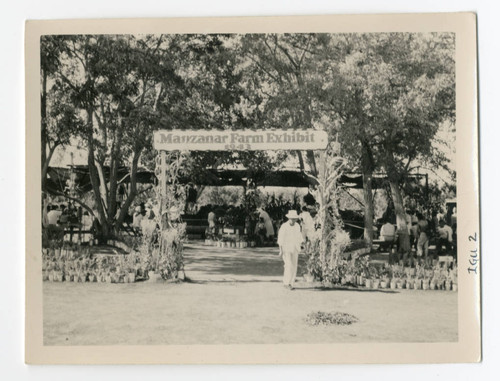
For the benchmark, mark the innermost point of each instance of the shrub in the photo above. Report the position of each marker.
(327, 318)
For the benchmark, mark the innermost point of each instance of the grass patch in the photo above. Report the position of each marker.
(327, 318)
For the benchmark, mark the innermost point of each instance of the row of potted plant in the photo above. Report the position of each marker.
(147, 260)
(398, 277)
(82, 267)
(408, 283)
(227, 242)
(89, 276)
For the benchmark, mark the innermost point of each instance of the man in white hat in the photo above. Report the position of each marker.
(289, 240)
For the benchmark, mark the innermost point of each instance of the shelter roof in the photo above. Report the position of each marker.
(58, 176)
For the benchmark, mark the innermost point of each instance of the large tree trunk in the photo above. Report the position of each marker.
(103, 189)
(312, 162)
(46, 163)
(113, 176)
(43, 112)
(367, 166)
(404, 237)
(94, 177)
(368, 205)
(133, 190)
(301, 160)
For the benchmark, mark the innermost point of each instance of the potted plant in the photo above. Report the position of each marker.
(371, 274)
(48, 271)
(428, 273)
(419, 276)
(309, 278)
(393, 283)
(66, 275)
(425, 283)
(417, 284)
(385, 277)
(132, 271)
(397, 275)
(401, 283)
(45, 269)
(375, 276)
(448, 281)
(60, 270)
(454, 279)
(69, 273)
(441, 279)
(394, 276)
(434, 277)
(115, 276)
(410, 282)
(368, 283)
(360, 278)
(433, 283)
(412, 271)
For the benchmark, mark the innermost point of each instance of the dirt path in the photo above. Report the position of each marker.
(231, 264)
(236, 297)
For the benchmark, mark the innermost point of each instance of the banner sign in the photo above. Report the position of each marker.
(239, 140)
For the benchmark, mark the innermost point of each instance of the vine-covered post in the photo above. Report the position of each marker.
(331, 239)
(163, 179)
(171, 231)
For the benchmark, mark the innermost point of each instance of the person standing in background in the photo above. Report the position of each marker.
(53, 215)
(268, 223)
(445, 237)
(307, 224)
(423, 238)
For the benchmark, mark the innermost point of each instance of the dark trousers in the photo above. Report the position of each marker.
(442, 242)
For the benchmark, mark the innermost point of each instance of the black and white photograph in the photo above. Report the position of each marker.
(254, 188)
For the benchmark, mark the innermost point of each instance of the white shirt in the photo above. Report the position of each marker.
(267, 222)
(137, 220)
(307, 221)
(387, 231)
(53, 216)
(211, 219)
(445, 232)
(148, 226)
(290, 237)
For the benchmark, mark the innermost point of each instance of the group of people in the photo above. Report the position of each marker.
(265, 227)
(420, 232)
(143, 219)
(145, 223)
(60, 217)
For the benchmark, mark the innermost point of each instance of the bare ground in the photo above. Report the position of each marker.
(236, 297)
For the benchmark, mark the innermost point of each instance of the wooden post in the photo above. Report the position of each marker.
(322, 188)
(163, 180)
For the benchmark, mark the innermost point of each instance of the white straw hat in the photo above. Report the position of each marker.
(292, 214)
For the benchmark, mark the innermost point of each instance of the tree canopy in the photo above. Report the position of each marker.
(383, 96)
